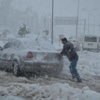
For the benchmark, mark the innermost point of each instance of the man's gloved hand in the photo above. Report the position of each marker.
(60, 56)
(71, 53)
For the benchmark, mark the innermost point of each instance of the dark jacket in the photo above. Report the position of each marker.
(69, 51)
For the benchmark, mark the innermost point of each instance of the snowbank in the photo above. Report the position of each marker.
(57, 91)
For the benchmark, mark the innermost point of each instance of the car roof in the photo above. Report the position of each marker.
(32, 44)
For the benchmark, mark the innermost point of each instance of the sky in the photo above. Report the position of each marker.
(88, 9)
(61, 7)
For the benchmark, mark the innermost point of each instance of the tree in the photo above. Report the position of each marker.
(23, 31)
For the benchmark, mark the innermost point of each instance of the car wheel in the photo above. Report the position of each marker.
(16, 70)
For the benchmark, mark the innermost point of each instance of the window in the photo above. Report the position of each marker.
(12, 44)
(7, 45)
(90, 39)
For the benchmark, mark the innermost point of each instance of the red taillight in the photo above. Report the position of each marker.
(29, 55)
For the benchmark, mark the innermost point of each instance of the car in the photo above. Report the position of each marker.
(26, 56)
(2, 43)
(76, 44)
(91, 43)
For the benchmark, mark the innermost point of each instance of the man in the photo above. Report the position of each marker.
(69, 51)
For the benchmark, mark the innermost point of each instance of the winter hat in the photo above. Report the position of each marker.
(64, 39)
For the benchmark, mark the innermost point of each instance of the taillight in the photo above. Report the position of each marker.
(29, 55)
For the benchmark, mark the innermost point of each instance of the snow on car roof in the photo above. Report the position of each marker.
(36, 44)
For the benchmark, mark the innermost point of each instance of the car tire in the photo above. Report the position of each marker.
(16, 70)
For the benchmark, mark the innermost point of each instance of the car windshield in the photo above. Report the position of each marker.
(38, 44)
(28, 44)
(12, 44)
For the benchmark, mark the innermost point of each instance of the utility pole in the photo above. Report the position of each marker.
(52, 21)
(94, 25)
(89, 12)
(77, 19)
(84, 25)
(88, 24)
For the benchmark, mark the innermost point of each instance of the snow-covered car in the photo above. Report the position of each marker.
(21, 56)
(2, 43)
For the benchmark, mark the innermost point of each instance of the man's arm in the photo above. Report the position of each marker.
(71, 51)
(64, 50)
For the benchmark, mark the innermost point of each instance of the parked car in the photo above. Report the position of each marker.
(76, 44)
(91, 43)
(20, 56)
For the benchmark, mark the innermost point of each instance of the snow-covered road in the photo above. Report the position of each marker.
(60, 88)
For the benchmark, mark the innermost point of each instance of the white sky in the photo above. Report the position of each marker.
(67, 8)
(61, 7)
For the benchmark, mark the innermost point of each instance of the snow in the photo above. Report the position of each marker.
(45, 88)
(57, 91)
(33, 42)
(10, 98)
(2, 43)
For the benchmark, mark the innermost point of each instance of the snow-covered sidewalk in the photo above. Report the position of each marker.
(57, 91)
